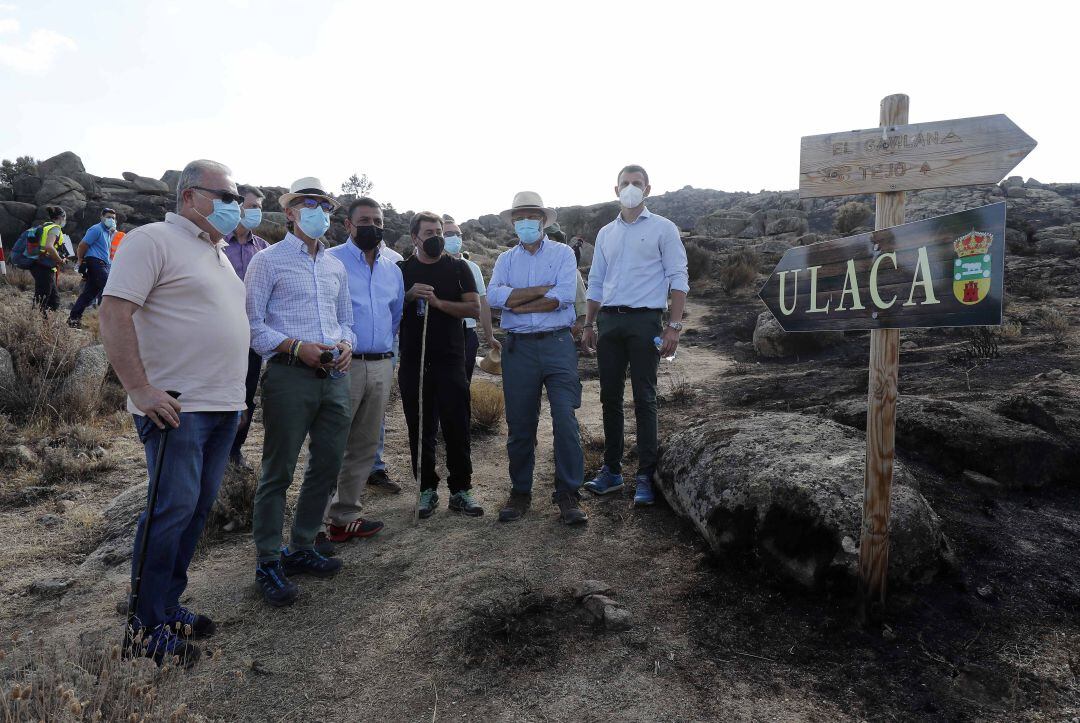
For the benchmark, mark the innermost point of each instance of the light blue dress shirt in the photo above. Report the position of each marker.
(378, 294)
(553, 264)
(291, 295)
(638, 264)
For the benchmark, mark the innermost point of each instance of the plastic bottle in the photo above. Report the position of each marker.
(659, 343)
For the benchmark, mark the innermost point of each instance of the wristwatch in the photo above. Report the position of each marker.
(676, 325)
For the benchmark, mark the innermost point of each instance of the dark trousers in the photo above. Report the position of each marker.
(191, 474)
(97, 273)
(251, 384)
(472, 345)
(627, 340)
(446, 400)
(45, 294)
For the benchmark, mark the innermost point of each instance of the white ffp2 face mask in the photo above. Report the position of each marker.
(631, 197)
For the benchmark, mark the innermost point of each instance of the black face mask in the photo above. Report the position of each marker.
(433, 246)
(368, 237)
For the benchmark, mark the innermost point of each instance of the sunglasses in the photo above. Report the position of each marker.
(225, 196)
(313, 203)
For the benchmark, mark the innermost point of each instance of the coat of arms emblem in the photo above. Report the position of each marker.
(971, 271)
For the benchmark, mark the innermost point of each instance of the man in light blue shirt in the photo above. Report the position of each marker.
(378, 294)
(638, 261)
(301, 318)
(533, 285)
(92, 257)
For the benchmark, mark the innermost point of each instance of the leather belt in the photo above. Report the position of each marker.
(537, 334)
(626, 309)
(373, 357)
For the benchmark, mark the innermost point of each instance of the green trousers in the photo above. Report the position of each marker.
(296, 404)
(626, 340)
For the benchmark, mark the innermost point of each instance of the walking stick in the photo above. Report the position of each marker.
(420, 412)
(133, 600)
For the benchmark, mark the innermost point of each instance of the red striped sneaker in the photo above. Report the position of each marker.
(357, 528)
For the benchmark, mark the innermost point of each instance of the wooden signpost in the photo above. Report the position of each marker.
(946, 271)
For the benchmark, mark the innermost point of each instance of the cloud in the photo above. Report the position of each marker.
(35, 54)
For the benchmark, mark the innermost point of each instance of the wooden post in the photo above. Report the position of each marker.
(881, 411)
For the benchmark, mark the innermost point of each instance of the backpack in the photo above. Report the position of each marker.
(19, 256)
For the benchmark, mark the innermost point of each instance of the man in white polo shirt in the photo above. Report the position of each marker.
(638, 262)
(172, 319)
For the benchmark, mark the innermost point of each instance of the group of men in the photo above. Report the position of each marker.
(200, 305)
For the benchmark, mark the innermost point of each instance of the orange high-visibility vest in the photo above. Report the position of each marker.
(116, 239)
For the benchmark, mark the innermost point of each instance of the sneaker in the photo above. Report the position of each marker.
(380, 479)
(605, 482)
(74, 323)
(162, 645)
(515, 507)
(277, 589)
(357, 528)
(570, 512)
(464, 503)
(189, 625)
(643, 491)
(324, 546)
(429, 501)
(308, 562)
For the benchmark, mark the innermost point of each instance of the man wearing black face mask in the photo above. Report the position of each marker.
(442, 288)
(377, 294)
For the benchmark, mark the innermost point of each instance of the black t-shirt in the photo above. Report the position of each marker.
(451, 279)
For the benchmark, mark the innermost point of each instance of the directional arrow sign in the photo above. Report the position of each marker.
(962, 152)
(944, 271)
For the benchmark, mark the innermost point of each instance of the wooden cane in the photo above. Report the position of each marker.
(420, 422)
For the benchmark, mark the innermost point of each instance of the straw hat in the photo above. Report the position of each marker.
(309, 186)
(530, 200)
(492, 363)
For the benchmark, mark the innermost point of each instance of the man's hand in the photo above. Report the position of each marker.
(344, 360)
(420, 291)
(494, 343)
(310, 353)
(575, 330)
(669, 341)
(157, 405)
(588, 340)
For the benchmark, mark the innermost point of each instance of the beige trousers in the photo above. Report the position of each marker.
(369, 392)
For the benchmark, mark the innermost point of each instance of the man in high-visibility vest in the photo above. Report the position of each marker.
(116, 239)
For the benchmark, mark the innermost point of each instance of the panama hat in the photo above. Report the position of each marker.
(309, 186)
(530, 200)
(492, 363)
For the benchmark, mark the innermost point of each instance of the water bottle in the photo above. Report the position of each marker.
(421, 307)
(335, 373)
(659, 343)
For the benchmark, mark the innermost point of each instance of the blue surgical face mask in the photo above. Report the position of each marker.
(225, 216)
(527, 230)
(453, 244)
(314, 222)
(252, 218)
(110, 223)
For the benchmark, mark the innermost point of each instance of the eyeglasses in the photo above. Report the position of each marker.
(225, 196)
(312, 203)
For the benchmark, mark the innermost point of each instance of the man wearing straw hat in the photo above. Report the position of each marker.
(301, 318)
(440, 289)
(534, 285)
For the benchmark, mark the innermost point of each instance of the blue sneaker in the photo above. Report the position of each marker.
(162, 645)
(189, 625)
(308, 562)
(643, 492)
(605, 482)
(277, 589)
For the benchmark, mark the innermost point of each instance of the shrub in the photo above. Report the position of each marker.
(698, 261)
(43, 352)
(69, 282)
(1033, 288)
(850, 216)
(739, 269)
(1055, 322)
(20, 279)
(488, 406)
(235, 502)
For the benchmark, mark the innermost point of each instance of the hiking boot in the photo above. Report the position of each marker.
(381, 480)
(515, 507)
(357, 528)
(605, 482)
(570, 512)
(277, 589)
(324, 546)
(162, 645)
(308, 562)
(189, 625)
(74, 323)
(464, 503)
(429, 501)
(643, 491)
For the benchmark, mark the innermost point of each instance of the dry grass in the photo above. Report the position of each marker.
(1012, 329)
(488, 406)
(234, 505)
(20, 279)
(43, 352)
(1033, 288)
(593, 447)
(1054, 321)
(738, 270)
(69, 282)
(699, 261)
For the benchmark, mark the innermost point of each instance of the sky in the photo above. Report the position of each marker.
(453, 107)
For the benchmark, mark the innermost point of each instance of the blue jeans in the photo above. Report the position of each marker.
(191, 474)
(529, 366)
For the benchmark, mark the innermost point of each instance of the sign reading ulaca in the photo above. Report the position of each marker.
(961, 152)
(943, 271)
